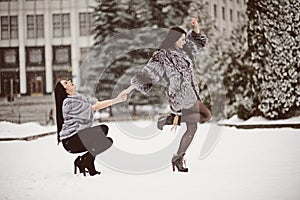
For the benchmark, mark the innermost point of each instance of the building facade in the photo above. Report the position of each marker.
(42, 41)
(227, 13)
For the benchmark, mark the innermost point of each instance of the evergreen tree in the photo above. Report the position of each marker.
(273, 40)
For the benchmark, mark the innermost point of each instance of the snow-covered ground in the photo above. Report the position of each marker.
(234, 120)
(12, 130)
(244, 165)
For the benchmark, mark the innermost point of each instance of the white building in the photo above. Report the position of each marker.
(42, 41)
(227, 13)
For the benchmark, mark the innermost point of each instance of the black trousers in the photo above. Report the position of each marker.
(88, 140)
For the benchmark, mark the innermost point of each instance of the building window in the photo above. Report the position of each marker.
(85, 23)
(62, 54)
(231, 15)
(215, 11)
(7, 0)
(238, 16)
(9, 57)
(35, 56)
(223, 13)
(9, 27)
(35, 26)
(61, 25)
(237, 1)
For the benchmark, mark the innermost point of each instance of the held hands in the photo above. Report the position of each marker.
(129, 89)
(122, 96)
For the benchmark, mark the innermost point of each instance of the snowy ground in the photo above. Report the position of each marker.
(244, 165)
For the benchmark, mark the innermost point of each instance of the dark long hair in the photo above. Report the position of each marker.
(173, 35)
(60, 95)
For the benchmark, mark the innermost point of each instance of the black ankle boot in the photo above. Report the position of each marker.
(167, 120)
(78, 164)
(177, 161)
(88, 163)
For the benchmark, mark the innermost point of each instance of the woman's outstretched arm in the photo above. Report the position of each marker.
(109, 102)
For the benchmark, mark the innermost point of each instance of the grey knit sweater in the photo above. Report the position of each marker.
(77, 114)
(175, 68)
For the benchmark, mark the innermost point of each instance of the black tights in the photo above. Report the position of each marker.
(198, 113)
(89, 140)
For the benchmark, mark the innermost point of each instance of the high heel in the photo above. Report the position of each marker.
(168, 119)
(78, 164)
(88, 163)
(177, 162)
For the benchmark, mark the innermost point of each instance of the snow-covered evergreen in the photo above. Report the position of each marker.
(274, 43)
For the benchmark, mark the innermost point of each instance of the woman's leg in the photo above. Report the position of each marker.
(104, 128)
(205, 113)
(74, 144)
(94, 139)
(187, 138)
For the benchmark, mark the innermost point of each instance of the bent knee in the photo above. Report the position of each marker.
(192, 127)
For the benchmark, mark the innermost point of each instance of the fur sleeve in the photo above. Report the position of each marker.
(150, 74)
(195, 42)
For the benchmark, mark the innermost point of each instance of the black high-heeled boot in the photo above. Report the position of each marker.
(78, 164)
(177, 161)
(88, 163)
(168, 120)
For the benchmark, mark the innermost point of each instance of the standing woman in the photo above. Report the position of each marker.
(74, 116)
(174, 64)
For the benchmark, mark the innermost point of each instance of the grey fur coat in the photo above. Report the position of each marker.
(175, 69)
(77, 114)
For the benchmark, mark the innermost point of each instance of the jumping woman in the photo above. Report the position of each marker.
(174, 63)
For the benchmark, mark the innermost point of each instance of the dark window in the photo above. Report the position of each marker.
(215, 11)
(85, 23)
(223, 13)
(35, 26)
(9, 57)
(61, 55)
(61, 25)
(35, 56)
(231, 15)
(9, 27)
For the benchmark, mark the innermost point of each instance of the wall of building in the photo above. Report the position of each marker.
(227, 13)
